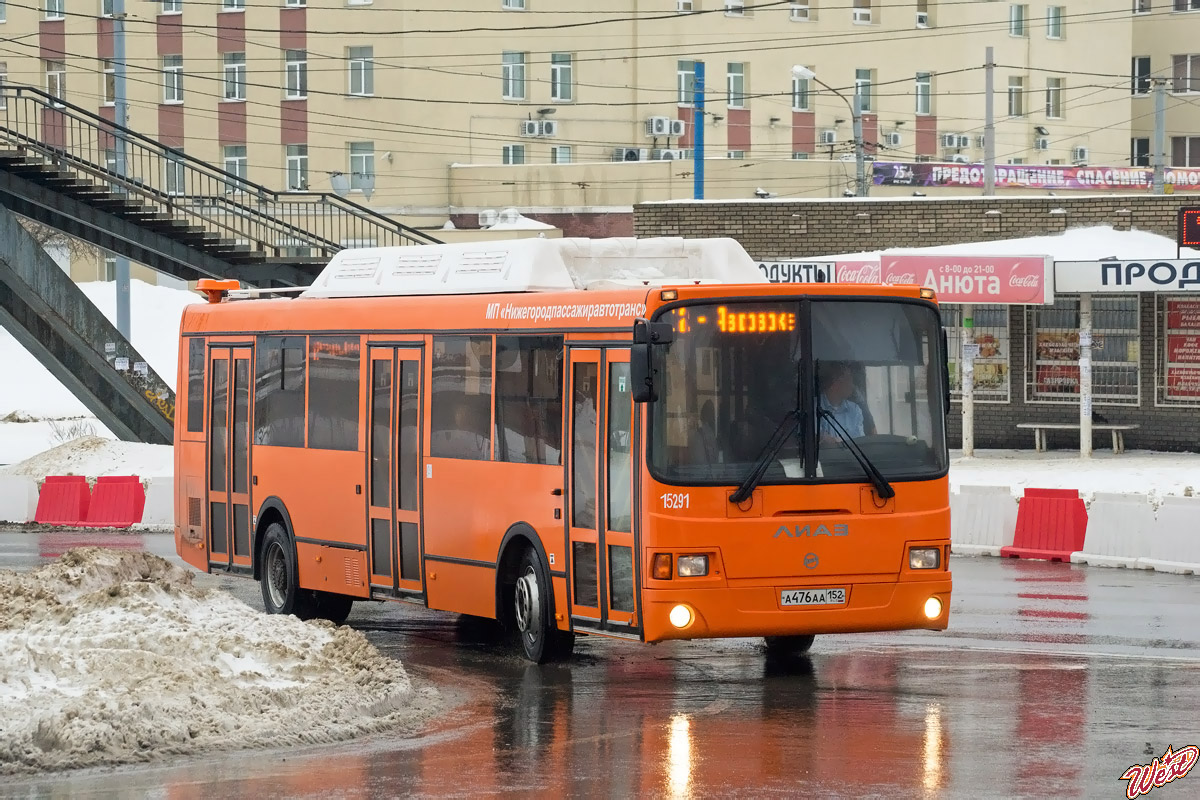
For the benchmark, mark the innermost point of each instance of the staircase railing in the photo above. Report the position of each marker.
(171, 183)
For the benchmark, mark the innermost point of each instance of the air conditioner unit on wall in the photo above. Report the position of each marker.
(862, 15)
(981, 142)
(963, 140)
(547, 127)
(828, 137)
(530, 127)
(678, 127)
(1079, 154)
(1041, 143)
(667, 155)
(488, 217)
(950, 140)
(658, 126)
(893, 139)
(630, 154)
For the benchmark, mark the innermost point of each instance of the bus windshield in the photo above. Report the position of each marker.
(738, 376)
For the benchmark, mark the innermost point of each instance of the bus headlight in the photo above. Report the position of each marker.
(681, 616)
(924, 557)
(693, 566)
(933, 608)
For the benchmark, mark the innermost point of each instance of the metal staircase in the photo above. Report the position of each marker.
(162, 208)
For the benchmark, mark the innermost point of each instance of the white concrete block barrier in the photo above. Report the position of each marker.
(18, 498)
(160, 504)
(1117, 530)
(1174, 539)
(982, 520)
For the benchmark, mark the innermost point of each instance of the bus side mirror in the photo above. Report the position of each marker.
(647, 336)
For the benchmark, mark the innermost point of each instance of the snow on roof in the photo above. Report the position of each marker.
(532, 265)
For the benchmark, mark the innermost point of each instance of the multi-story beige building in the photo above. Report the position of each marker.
(431, 111)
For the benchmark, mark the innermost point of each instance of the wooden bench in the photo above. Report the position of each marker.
(1039, 432)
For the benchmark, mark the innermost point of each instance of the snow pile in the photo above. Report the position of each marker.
(154, 323)
(95, 455)
(110, 657)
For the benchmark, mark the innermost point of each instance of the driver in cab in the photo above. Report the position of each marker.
(837, 389)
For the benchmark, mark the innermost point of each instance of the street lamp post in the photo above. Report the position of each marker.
(860, 171)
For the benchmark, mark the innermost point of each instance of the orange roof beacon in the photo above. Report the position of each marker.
(633, 438)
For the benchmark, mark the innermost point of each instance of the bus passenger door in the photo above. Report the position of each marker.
(229, 457)
(599, 476)
(393, 482)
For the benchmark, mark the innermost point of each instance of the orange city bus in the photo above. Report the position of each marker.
(633, 438)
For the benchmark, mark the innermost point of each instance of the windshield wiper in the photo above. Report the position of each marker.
(882, 487)
(773, 445)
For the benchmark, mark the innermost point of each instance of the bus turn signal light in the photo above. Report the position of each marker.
(928, 294)
(662, 567)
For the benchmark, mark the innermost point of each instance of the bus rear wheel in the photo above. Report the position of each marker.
(281, 590)
(541, 640)
(330, 606)
(789, 645)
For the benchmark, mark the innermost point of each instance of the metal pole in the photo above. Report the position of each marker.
(860, 174)
(1085, 375)
(989, 126)
(969, 350)
(122, 118)
(698, 132)
(1158, 186)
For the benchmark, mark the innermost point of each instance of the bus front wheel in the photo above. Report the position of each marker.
(281, 590)
(540, 638)
(789, 645)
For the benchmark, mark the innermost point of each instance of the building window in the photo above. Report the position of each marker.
(1016, 97)
(172, 79)
(1185, 151)
(802, 12)
(512, 154)
(1185, 73)
(3, 82)
(560, 154)
(1141, 6)
(685, 6)
(233, 5)
(924, 93)
(861, 13)
(175, 178)
(235, 164)
(1055, 22)
(172, 6)
(513, 5)
(735, 85)
(1177, 325)
(54, 9)
(110, 274)
(1139, 152)
(1053, 371)
(461, 400)
(685, 82)
(361, 62)
(529, 392)
(562, 77)
(735, 8)
(295, 74)
(1187, 5)
(512, 75)
(362, 166)
(234, 65)
(106, 8)
(56, 79)
(800, 94)
(297, 167)
(3, 10)
(992, 363)
(863, 78)
(1140, 75)
(108, 79)
(1054, 98)
(1018, 16)
(296, 3)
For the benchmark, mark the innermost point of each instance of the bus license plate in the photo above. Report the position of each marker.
(812, 597)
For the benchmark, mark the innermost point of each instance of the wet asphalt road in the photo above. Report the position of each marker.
(1052, 680)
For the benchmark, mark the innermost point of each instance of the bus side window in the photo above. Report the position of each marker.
(333, 382)
(461, 400)
(279, 391)
(195, 385)
(529, 390)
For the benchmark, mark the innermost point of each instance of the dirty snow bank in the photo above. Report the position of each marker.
(109, 657)
(95, 455)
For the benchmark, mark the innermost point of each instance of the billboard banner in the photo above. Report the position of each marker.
(974, 279)
(1167, 275)
(896, 173)
(798, 271)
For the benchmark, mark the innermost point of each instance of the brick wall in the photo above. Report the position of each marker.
(803, 229)
(780, 230)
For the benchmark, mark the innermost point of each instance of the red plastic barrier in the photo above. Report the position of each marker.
(117, 502)
(63, 500)
(1050, 525)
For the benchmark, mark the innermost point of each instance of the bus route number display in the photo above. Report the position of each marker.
(1189, 227)
(755, 321)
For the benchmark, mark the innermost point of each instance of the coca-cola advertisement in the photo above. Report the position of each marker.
(858, 272)
(1183, 315)
(975, 279)
(1183, 382)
